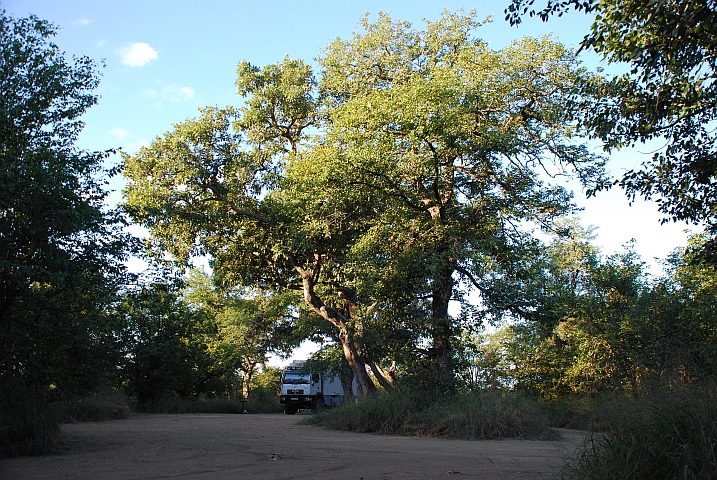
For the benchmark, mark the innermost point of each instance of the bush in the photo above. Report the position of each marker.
(478, 415)
(31, 425)
(29, 428)
(673, 436)
(95, 408)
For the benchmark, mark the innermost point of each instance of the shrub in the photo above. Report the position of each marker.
(95, 408)
(600, 413)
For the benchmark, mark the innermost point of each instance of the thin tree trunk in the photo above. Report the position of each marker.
(385, 378)
(246, 378)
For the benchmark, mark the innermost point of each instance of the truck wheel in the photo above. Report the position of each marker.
(289, 410)
(319, 404)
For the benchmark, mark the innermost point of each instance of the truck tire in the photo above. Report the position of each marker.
(319, 405)
(289, 410)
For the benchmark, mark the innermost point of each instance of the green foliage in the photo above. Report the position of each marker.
(602, 412)
(98, 407)
(161, 358)
(240, 328)
(191, 340)
(669, 94)
(269, 379)
(600, 323)
(264, 390)
(451, 135)
(483, 364)
(27, 427)
(280, 96)
(269, 222)
(479, 415)
(262, 402)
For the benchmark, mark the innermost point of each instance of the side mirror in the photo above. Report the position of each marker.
(315, 377)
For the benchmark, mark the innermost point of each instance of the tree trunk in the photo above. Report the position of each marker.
(442, 349)
(246, 378)
(442, 324)
(346, 377)
(364, 383)
(352, 355)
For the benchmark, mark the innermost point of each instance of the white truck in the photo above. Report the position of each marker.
(301, 389)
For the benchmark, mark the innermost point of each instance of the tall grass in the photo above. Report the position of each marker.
(671, 436)
(480, 415)
(600, 413)
(29, 428)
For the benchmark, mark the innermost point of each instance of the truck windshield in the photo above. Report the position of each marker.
(296, 378)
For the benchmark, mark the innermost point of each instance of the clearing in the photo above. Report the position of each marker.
(214, 446)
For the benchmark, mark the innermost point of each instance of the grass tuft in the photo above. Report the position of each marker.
(95, 408)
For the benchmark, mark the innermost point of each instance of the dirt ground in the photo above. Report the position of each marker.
(277, 447)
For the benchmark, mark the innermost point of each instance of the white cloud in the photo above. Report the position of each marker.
(101, 43)
(81, 22)
(151, 93)
(176, 93)
(119, 132)
(134, 146)
(136, 54)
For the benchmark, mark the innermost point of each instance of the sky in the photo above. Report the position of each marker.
(163, 59)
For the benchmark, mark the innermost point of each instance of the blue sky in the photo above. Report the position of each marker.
(166, 58)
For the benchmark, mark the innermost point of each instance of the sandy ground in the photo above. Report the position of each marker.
(277, 447)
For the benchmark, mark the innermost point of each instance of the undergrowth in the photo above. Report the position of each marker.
(28, 428)
(480, 415)
(259, 401)
(95, 408)
(672, 435)
(32, 427)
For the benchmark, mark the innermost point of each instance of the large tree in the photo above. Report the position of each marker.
(60, 250)
(456, 139)
(668, 95)
(408, 168)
